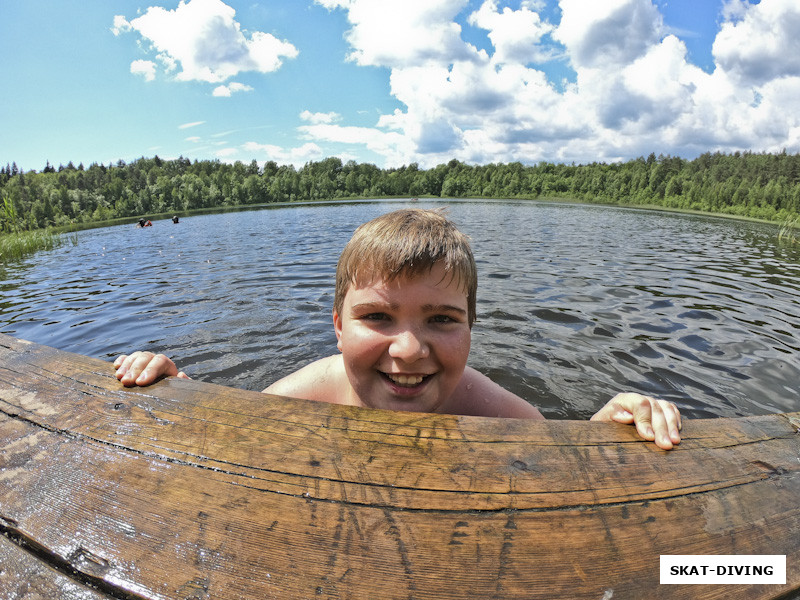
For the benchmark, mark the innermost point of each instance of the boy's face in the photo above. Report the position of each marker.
(404, 343)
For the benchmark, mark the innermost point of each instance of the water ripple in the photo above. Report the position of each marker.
(575, 302)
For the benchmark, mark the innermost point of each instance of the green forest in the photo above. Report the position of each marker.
(754, 185)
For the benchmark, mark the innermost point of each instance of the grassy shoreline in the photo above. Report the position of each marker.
(348, 199)
(17, 245)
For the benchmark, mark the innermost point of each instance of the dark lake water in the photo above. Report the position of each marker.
(575, 303)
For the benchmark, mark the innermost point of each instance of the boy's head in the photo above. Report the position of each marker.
(407, 243)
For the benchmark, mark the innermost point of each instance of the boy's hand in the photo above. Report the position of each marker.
(143, 368)
(655, 420)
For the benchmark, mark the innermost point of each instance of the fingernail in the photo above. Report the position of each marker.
(650, 432)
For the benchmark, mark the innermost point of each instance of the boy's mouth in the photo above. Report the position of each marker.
(408, 381)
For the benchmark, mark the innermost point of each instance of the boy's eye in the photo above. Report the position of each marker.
(377, 316)
(443, 319)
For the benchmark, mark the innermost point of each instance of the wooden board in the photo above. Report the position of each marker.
(187, 490)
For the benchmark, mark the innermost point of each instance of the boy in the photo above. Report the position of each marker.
(405, 302)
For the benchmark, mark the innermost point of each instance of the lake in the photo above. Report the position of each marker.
(575, 302)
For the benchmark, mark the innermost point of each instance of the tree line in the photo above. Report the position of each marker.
(758, 185)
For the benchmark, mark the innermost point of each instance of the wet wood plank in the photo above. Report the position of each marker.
(191, 490)
(25, 577)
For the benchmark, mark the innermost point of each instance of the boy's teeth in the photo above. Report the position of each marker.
(406, 379)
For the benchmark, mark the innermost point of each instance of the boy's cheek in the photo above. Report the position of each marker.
(356, 339)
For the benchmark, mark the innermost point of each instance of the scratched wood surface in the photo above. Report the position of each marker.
(187, 490)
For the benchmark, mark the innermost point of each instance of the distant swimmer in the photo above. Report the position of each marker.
(175, 219)
(144, 223)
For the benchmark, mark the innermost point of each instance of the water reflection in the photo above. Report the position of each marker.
(575, 302)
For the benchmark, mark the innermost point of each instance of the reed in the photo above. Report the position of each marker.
(18, 244)
(8, 215)
(789, 231)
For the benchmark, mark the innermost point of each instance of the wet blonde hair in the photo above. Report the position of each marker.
(407, 243)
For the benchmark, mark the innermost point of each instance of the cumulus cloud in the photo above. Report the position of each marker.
(226, 91)
(203, 39)
(317, 118)
(612, 32)
(515, 34)
(120, 25)
(296, 156)
(760, 42)
(145, 68)
(734, 10)
(392, 145)
(633, 90)
(226, 153)
(401, 33)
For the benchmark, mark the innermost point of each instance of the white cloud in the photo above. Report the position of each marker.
(226, 153)
(534, 5)
(203, 37)
(120, 26)
(331, 4)
(169, 63)
(145, 68)
(634, 90)
(389, 144)
(317, 118)
(190, 125)
(734, 10)
(226, 91)
(612, 32)
(398, 33)
(297, 156)
(764, 44)
(515, 34)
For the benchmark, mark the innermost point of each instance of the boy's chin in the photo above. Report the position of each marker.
(408, 406)
(419, 402)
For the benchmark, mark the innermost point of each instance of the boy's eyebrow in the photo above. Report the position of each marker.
(372, 306)
(443, 308)
(428, 308)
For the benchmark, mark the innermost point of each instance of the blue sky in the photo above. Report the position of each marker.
(396, 81)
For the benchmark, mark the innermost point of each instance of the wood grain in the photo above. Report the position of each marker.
(191, 490)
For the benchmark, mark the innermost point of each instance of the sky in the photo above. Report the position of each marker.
(395, 82)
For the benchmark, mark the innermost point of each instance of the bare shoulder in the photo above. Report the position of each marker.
(320, 380)
(478, 395)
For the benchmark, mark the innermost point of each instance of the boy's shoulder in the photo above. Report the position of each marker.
(324, 380)
(478, 395)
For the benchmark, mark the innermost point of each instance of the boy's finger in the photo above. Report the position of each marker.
(618, 409)
(673, 418)
(660, 424)
(133, 367)
(157, 365)
(643, 418)
(123, 364)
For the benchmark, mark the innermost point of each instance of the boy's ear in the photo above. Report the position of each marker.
(337, 327)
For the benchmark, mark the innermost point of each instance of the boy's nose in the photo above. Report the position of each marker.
(408, 345)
